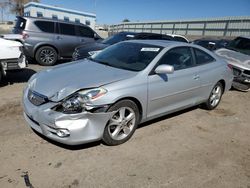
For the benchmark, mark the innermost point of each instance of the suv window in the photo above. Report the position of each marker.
(85, 32)
(67, 29)
(45, 26)
(179, 58)
(202, 57)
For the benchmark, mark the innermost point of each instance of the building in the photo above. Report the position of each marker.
(41, 10)
(214, 27)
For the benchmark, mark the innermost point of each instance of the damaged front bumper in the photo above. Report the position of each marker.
(70, 129)
(14, 64)
(241, 79)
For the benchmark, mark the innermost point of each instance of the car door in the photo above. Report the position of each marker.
(85, 35)
(167, 93)
(208, 70)
(66, 39)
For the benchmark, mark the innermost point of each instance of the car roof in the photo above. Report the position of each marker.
(161, 43)
(50, 19)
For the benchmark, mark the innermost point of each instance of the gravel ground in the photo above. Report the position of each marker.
(193, 148)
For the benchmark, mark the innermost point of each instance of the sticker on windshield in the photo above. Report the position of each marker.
(150, 49)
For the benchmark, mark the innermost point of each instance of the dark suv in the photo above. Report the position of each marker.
(47, 40)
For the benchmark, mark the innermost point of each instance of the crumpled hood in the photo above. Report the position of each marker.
(9, 43)
(61, 81)
(235, 58)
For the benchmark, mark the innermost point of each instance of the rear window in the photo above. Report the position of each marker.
(202, 57)
(67, 29)
(45, 26)
(20, 23)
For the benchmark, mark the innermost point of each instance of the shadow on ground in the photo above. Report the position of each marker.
(17, 76)
(97, 143)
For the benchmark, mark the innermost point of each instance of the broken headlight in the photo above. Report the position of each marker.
(78, 102)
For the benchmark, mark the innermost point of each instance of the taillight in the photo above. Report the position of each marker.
(25, 35)
(230, 66)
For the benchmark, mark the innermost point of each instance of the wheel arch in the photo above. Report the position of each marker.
(42, 45)
(223, 84)
(136, 101)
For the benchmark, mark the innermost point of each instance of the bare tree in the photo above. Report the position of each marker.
(17, 6)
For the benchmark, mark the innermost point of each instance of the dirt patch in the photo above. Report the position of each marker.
(221, 112)
(11, 109)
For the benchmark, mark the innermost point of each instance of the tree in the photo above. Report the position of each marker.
(126, 20)
(17, 6)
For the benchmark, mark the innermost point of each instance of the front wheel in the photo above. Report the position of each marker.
(46, 56)
(122, 124)
(214, 97)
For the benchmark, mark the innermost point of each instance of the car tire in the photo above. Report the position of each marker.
(214, 97)
(46, 56)
(1, 74)
(122, 124)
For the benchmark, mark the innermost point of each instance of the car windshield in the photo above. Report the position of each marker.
(115, 39)
(127, 55)
(240, 44)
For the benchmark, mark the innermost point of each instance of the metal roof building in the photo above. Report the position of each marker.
(41, 10)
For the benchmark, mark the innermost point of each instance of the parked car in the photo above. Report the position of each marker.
(47, 40)
(212, 44)
(82, 52)
(15, 37)
(11, 56)
(237, 54)
(108, 94)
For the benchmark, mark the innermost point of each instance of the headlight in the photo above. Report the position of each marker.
(93, 52)
(80, 101)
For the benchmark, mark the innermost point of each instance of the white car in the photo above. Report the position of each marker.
(237, 54)
(11, 56)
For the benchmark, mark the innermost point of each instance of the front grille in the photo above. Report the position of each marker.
(246, 72)
(36, 98)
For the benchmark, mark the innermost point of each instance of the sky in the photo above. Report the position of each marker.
(115, 11)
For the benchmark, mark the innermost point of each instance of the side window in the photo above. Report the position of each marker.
(87, 22)
(39, 14)
(54, 17)
(45, 26)
(66, 19)
(77, 20)
(85, 32)
(202, 57)
(179, 58)
(67, 29)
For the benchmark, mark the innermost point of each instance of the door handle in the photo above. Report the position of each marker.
(82, 40)
(196, 77)
(59, 38)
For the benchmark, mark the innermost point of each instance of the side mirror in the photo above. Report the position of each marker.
(164, 69)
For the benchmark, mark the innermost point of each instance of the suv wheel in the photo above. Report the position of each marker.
(46, 56)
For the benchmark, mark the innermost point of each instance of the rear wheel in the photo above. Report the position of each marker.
(122, 124)
(215, 97)
(46, 56)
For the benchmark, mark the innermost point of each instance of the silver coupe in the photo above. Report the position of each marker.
(106, 96)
